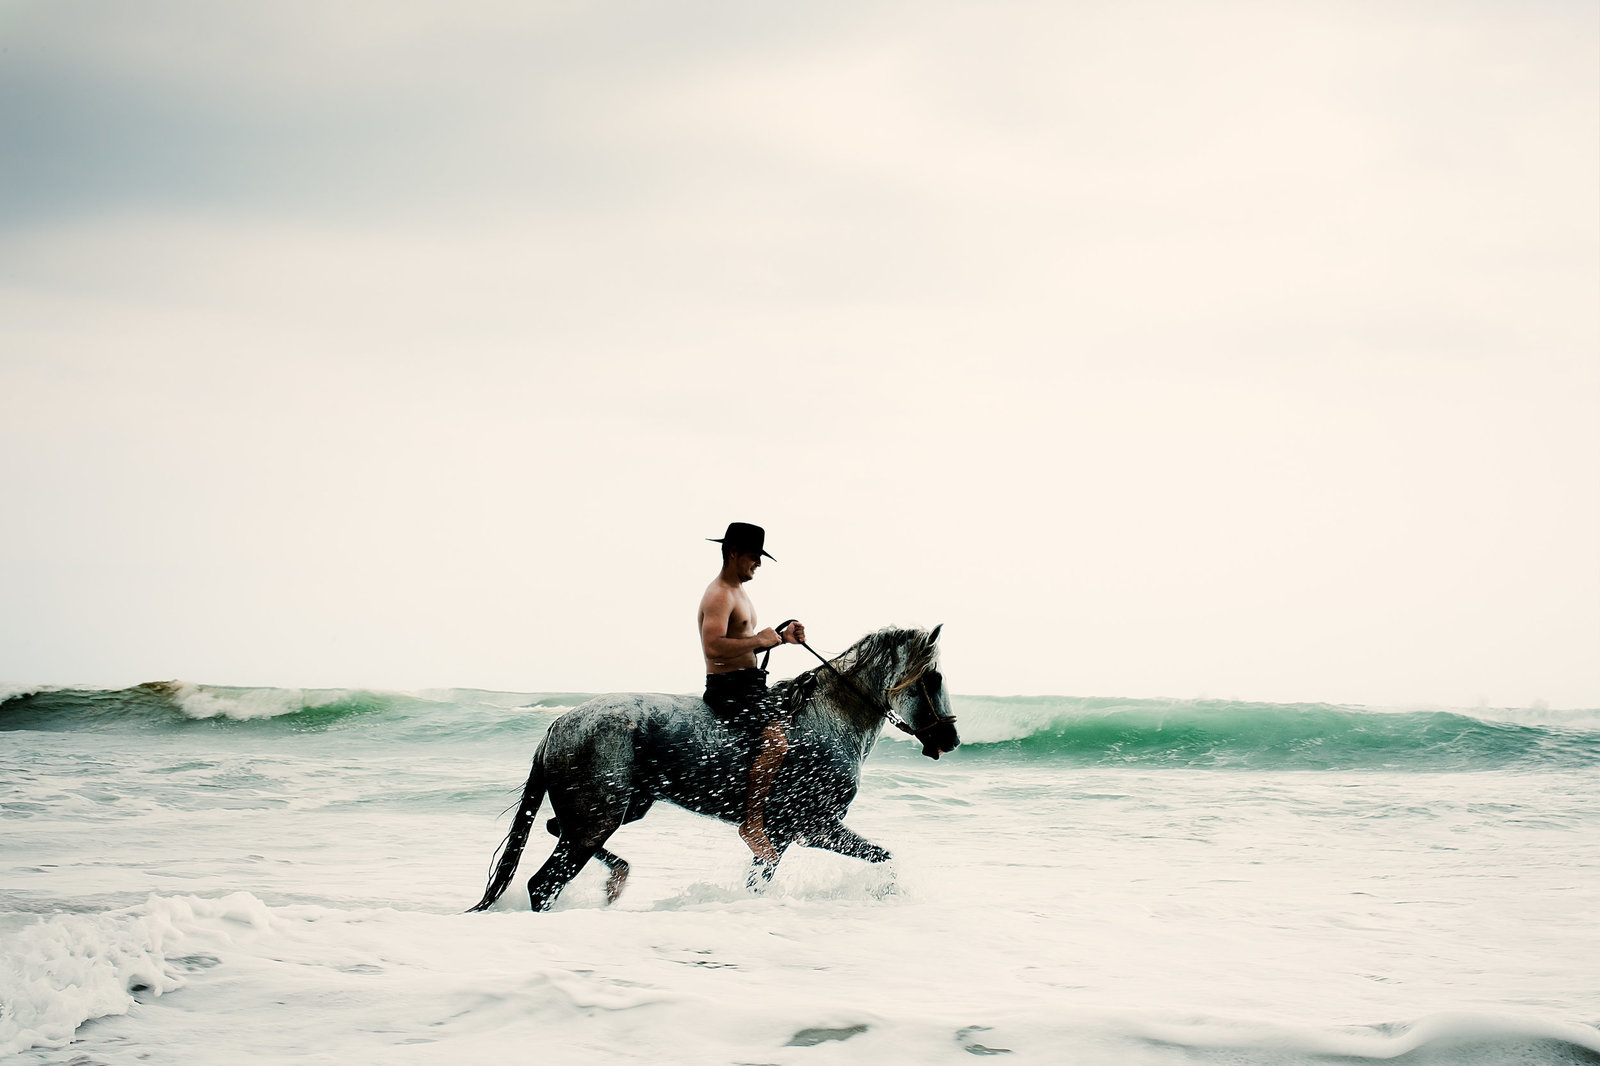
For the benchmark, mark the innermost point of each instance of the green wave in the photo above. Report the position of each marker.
(1049, 729)
(164, 705)
(1268, 736)
(167, 706)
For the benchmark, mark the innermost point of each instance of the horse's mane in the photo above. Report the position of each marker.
(876, 651)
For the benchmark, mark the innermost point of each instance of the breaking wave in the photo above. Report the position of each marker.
(1265, 736)
(181, 705)
(1079, 731)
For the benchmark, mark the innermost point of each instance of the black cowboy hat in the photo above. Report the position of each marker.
(744, 537)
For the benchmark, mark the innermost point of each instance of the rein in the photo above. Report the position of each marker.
(887, 712)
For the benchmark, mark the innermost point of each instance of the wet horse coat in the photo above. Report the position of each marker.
(605, 763)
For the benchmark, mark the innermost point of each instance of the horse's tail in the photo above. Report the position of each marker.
(510, 850)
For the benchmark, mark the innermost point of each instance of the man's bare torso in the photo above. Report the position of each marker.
(741, 623)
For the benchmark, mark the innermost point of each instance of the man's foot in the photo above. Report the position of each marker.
(755, 837)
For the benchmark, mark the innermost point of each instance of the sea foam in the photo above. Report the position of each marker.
(246, 704)
(71, 968)
(1118, 883)
(11, 690)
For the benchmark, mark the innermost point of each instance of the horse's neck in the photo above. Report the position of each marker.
(841, 697)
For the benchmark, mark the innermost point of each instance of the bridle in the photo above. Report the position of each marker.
(887, 711)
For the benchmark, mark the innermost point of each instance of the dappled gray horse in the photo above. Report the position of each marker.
(604, 763)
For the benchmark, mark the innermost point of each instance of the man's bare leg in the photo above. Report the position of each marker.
(774, 746)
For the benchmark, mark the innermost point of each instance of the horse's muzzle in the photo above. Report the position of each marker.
(940, 739)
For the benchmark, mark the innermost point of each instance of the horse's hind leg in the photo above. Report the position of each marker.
(619, 873)
(590, 793)
(615, 863)
(562, 866)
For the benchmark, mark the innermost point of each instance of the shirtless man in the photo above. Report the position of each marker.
(735, 687)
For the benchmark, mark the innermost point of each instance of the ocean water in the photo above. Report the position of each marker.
(193, 874)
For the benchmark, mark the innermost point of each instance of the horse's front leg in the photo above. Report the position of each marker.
(761, 871)
(846, 841)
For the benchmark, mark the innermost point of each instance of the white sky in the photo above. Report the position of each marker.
(1237, 349)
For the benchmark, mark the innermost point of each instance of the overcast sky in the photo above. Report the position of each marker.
(1230, 349)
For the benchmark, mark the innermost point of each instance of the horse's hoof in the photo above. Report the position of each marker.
(616, 882)
(760, 876)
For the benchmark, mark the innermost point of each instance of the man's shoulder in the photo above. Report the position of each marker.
(718, 592)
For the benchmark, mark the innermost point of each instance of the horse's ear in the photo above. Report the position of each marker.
(935, 634)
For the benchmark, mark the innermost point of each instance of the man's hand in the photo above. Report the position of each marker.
(771, 638)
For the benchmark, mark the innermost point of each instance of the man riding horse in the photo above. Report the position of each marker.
(604, 763)
(736, 688)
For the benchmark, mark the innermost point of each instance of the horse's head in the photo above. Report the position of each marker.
(922, 703)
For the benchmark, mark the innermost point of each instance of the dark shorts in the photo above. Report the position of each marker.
(741, 699)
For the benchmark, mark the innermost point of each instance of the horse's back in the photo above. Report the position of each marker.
(676, 748)
(649, 744)
(635, 707)
(622, 713)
